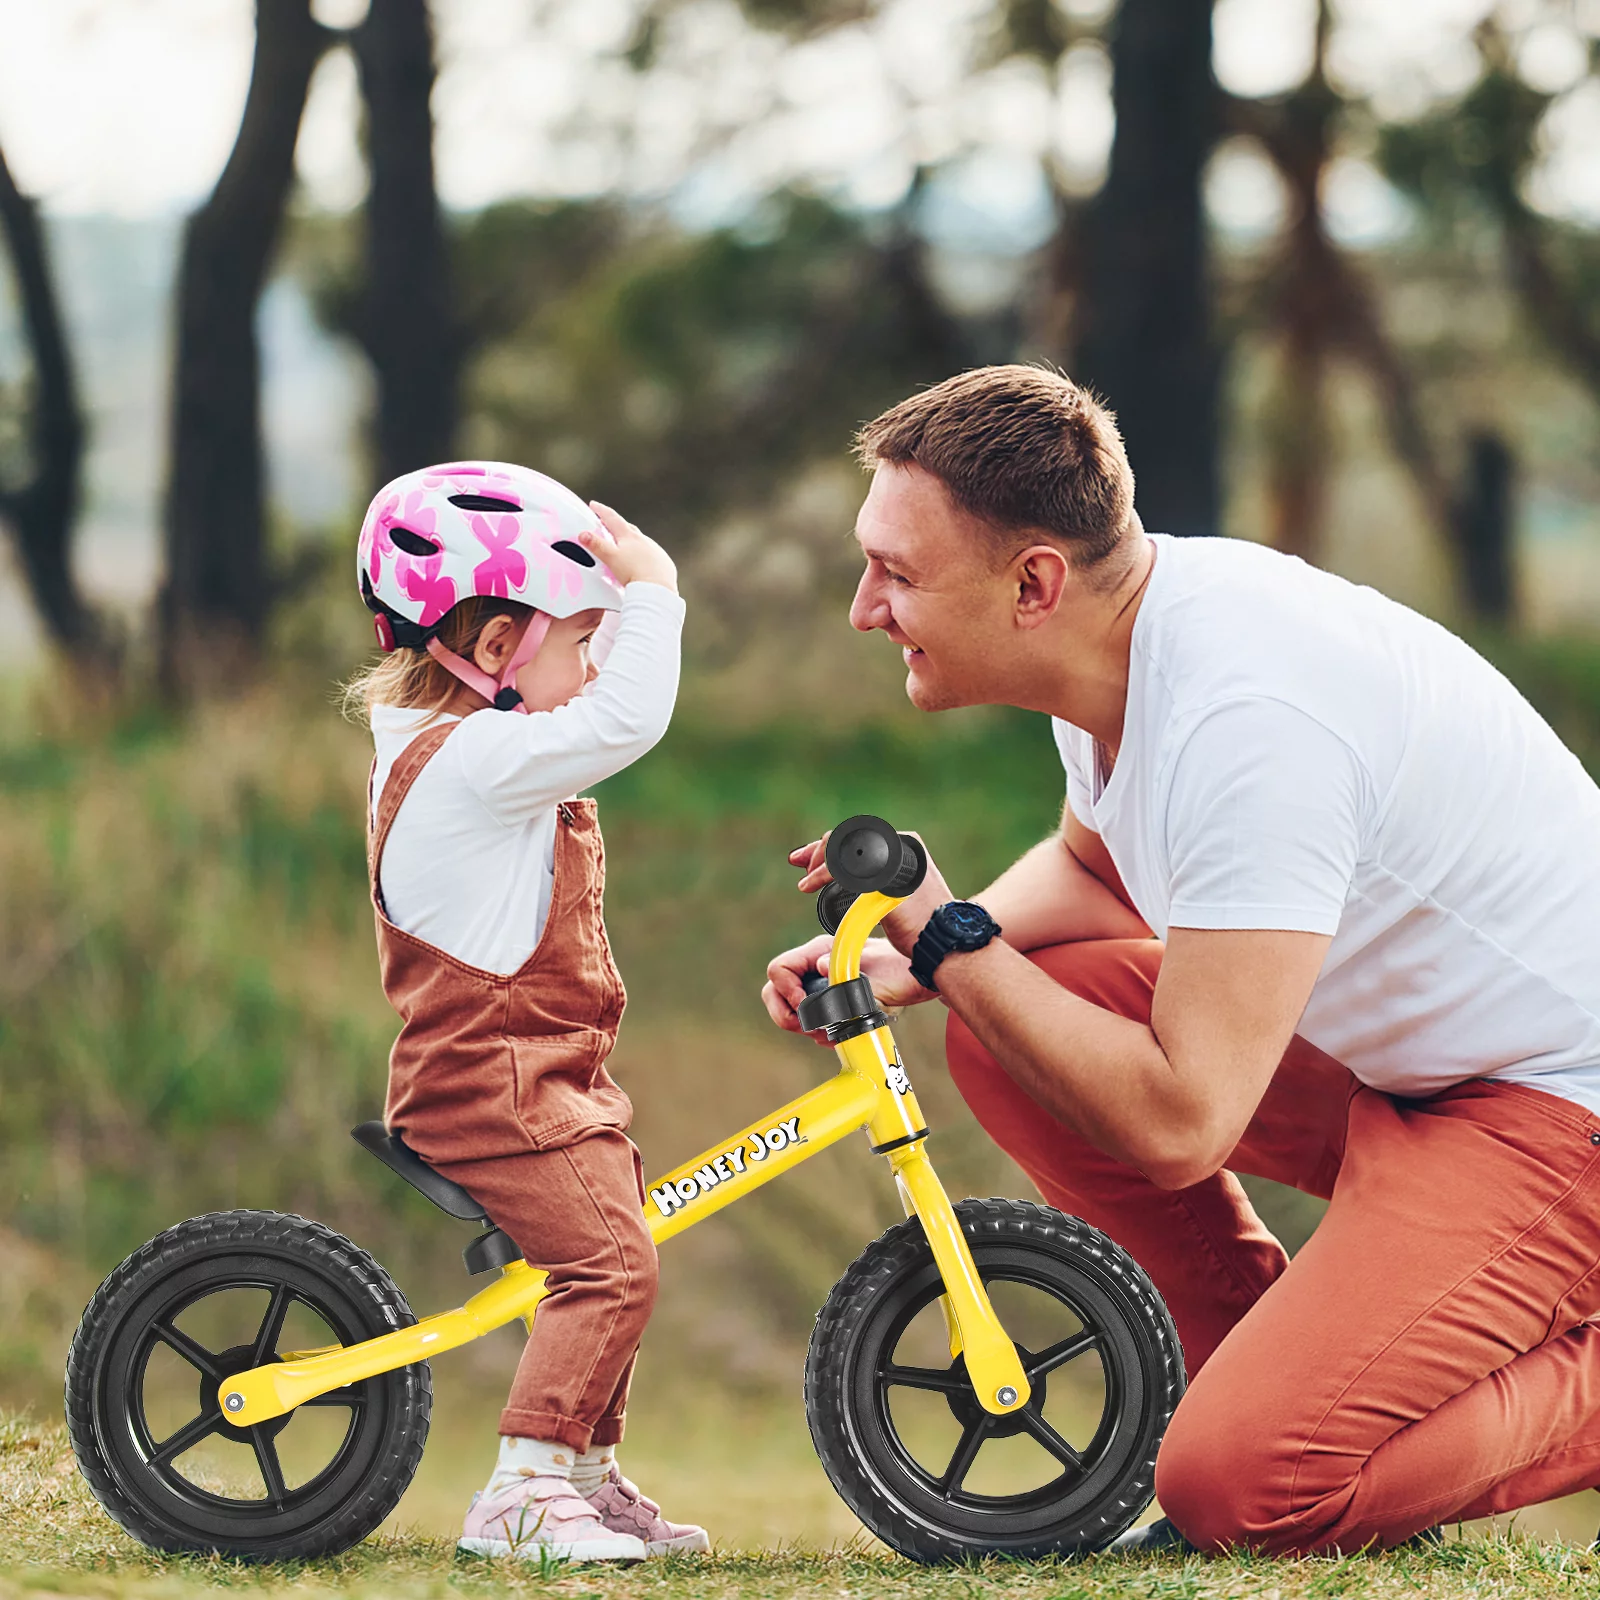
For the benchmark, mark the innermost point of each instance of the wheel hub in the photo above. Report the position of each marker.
(964, 1406)
(239, 1358)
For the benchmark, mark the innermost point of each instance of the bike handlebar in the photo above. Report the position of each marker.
(866, 856)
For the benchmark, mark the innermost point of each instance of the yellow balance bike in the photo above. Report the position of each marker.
(988, 1377)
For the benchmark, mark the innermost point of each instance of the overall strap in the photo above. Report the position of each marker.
(405, 772)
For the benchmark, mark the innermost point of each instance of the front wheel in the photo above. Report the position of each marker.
(209, 1298)
(901, 1434)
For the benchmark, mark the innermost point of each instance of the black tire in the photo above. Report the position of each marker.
(130, 1359)
(1062, 1268)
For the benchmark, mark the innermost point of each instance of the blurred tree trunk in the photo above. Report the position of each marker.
(1485, 528)
(1143, 319)
(406, 321)
(1306, 309)
(218, 591)
(1322, 306)
(43, 508)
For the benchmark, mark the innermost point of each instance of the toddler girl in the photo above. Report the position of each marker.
(488, 585)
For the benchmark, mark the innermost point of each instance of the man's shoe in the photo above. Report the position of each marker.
(1157, 1536)
(1427, 1539)
(543, 1518)
(623, 1509)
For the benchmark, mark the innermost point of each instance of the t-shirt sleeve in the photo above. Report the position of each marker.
(1075, 749)
(518, 765)
(1265, 816)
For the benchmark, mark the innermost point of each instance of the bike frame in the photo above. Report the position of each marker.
(869, 1091)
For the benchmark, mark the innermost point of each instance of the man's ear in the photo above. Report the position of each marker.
(1041, 573)
(493, 648)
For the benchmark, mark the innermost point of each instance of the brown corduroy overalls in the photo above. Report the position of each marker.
(499, 1082)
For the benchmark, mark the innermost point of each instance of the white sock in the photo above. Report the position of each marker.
(529, 1458)
(592, 1468)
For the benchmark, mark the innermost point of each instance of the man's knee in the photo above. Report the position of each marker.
(1215, 1499)
(1225, 1484)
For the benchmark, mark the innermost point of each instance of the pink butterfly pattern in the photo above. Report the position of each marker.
(375, 542)
(421, 579)
(506, 567)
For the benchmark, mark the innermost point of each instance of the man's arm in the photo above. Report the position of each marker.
(1062, 890)
(1052, 895)
(1173, 1098)
(1265, 813)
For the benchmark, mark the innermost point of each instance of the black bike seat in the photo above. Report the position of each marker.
(400, 1158)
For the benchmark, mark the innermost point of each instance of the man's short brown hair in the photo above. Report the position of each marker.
(1020, 448)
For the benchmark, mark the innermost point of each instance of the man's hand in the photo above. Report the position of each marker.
(888, 971)
(886, 963)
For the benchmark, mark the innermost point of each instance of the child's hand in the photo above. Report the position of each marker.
(633, 557)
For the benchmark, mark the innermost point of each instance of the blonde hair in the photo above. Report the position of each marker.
(412, 678)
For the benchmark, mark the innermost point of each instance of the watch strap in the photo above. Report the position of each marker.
(938, 940)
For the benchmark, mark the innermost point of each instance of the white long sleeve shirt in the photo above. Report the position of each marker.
(470, 860)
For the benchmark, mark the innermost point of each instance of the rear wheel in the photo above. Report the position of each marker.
(209, 1298)
(899, 1429)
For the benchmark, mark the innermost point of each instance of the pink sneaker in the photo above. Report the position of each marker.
(625, 1511)
(544, 1516)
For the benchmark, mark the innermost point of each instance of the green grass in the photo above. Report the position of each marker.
(58, 1541)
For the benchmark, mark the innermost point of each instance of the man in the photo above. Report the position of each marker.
(1373, 877)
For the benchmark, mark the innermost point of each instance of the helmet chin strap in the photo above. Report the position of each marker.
(502, 693)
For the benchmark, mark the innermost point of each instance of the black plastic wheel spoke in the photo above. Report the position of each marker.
(271, 1470)
(186, 1438)
(195, 1354)
(266, 1341)
(1058, 1355)
(1050, 1439)
(965, 1453)
(353, 1396)
(943, 1379)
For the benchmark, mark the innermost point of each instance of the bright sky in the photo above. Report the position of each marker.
(130, 106)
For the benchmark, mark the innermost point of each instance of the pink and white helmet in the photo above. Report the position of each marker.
(434, 538)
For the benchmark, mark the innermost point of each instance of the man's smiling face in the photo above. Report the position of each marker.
(930, 585)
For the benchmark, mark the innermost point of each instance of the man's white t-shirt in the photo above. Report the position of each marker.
(1300, 753)
(470, 861)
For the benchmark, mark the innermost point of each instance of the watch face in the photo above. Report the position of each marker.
(965, 920)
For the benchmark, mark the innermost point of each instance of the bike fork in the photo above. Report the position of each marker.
(993, 1365)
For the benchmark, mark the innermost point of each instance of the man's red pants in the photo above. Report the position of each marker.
(1425, 1358)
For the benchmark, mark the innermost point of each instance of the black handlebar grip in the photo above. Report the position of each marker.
(866, 855)
(832, 903)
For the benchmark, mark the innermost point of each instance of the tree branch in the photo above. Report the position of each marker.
(42, 510)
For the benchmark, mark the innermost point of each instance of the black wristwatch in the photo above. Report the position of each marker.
(956, 925)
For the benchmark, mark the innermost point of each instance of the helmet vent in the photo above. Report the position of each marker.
(574, 552)
(483, 502)
(414, 544)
